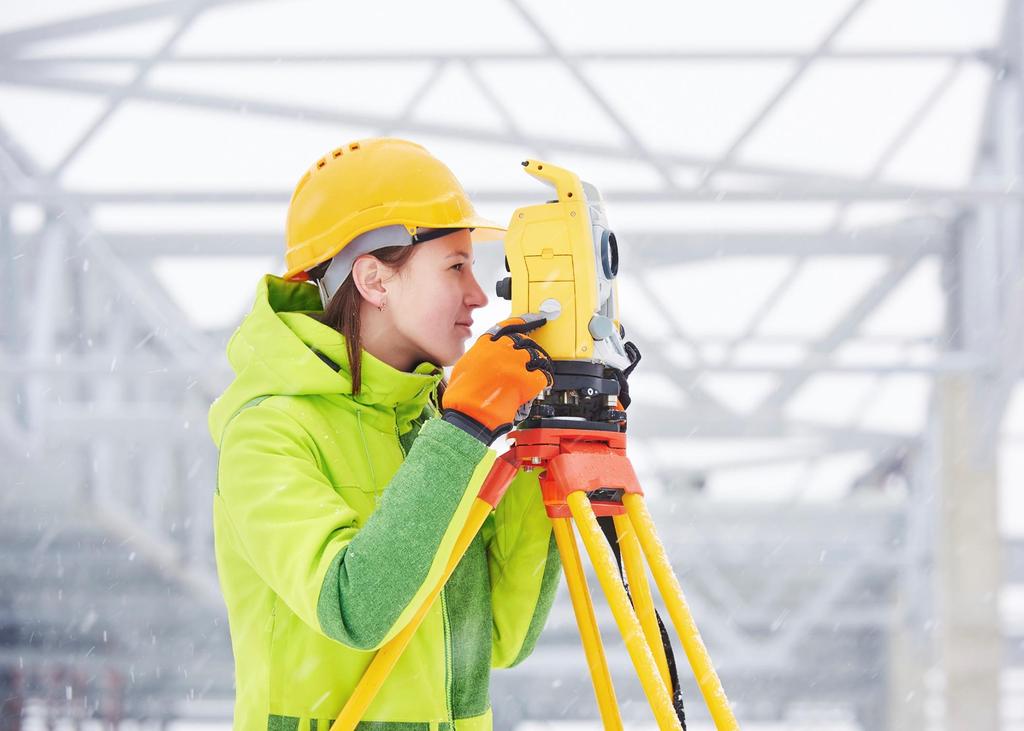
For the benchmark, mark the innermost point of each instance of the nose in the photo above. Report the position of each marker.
(476, 297)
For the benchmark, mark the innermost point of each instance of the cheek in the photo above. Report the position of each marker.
(433, 312)
(429, 323)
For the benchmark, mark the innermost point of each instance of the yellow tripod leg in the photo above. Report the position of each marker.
(707, 679)
(384, 661)
(586, 620)
(629, 626)
(640, 590)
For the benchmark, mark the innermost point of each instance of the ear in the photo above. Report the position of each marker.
(370, 275)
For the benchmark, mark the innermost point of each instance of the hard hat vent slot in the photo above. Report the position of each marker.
(354, 146)
(320, 163)
(336, 153)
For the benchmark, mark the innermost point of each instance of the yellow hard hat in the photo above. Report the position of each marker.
(370, 184)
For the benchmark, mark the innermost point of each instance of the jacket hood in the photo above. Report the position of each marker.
(272, 354)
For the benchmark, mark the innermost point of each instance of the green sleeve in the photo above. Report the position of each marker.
(358, 585)
(524, 566)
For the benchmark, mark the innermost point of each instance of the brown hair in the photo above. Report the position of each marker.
(342, 312)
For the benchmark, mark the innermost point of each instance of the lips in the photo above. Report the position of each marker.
(466, 324)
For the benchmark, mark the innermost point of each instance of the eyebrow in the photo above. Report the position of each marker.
(457, 253)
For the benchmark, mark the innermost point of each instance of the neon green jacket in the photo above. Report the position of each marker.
(333, 515)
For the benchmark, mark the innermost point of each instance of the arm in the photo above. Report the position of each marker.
(358, 585)
(524, 568)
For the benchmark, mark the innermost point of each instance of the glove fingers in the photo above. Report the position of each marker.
(523, 343)
(538, 360)
(544, 367)
(539, 347)
(492, 384)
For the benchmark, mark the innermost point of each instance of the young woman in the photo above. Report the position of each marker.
(347, 468)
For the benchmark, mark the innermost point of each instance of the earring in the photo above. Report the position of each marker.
(383, 302)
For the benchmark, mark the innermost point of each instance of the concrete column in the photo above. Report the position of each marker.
(908, 661)
(968, 566)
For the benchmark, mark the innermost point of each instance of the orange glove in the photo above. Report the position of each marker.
(502, 371)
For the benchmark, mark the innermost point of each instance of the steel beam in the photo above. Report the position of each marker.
(844, 329)
(797, 192)
(115, 101)
(904, 133)
(817, 185)
(633, 141)
(981, 55)
(16, 41)
(640, 249)
(804, 62)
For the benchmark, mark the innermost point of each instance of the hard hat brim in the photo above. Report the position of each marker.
(483, 231)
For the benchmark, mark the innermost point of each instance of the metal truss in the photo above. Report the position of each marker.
(100, 361)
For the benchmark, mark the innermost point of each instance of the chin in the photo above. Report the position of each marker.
(454, 356)
(448, 357)
(458, 351)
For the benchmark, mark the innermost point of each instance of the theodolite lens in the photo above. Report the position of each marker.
(609, 255)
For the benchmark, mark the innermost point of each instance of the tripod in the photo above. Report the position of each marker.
(586, 474)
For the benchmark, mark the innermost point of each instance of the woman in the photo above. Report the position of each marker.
(341, 487)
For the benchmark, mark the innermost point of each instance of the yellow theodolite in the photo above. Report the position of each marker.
(563, 261)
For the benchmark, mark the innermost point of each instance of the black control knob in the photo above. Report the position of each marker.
(503, 288)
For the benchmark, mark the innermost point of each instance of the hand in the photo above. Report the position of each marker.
(500, 373)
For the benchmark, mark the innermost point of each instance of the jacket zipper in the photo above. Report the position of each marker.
(366, 451)
(448, 669)
(398, 438)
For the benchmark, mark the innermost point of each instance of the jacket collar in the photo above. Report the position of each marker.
(382, 385)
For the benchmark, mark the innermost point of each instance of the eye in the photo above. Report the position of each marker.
(458, 266)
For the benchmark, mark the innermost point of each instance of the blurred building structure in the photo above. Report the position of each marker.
(820, 210)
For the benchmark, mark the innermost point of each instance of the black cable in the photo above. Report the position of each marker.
(607, 524)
